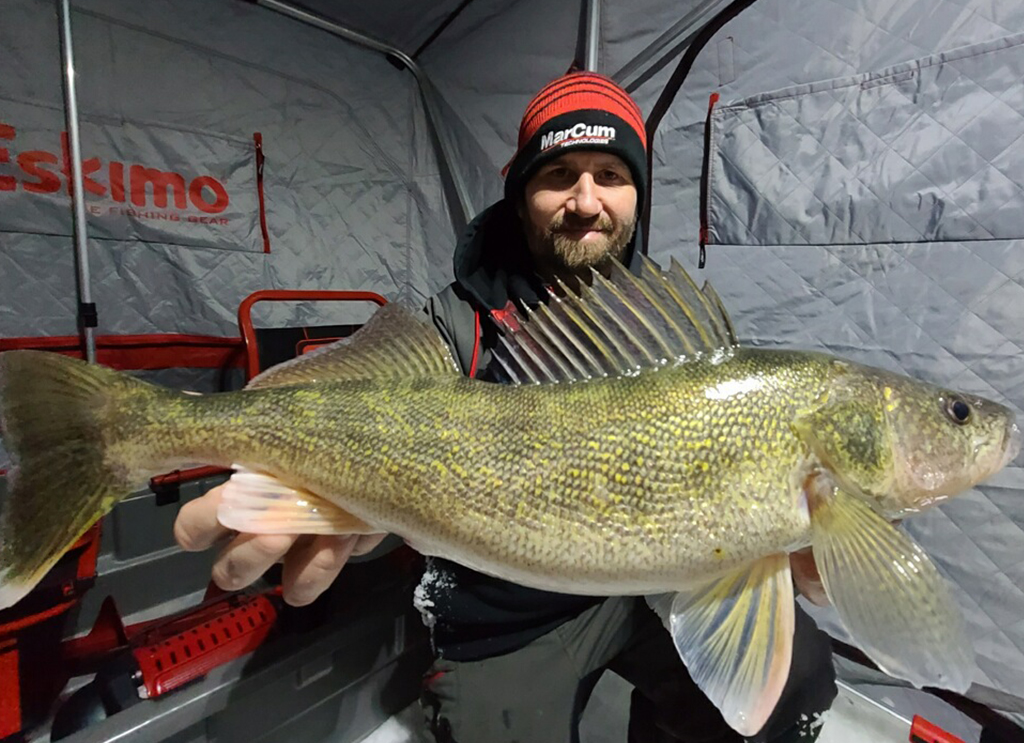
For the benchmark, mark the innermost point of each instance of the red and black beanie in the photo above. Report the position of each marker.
(581, 110)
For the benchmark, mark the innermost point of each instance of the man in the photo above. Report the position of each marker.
(513, 663)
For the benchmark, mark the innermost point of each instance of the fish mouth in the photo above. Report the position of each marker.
(1013, 443)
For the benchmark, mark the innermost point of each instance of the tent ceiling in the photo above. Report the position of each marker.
(405, 25)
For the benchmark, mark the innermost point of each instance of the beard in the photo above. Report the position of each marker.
(561, 250)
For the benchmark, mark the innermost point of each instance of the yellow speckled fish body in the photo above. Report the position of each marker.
(607, 486)
(637, 449)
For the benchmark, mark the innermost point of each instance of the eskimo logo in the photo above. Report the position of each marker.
(578, 134)
(145, 187)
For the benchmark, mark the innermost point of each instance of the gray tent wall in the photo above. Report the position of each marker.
(915, 265)
(353, 199)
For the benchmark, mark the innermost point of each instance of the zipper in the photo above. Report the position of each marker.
(705, 177)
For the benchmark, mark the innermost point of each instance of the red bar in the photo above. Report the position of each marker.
(308, 345)
(476, 343)
(88, 558)
(288, 295)
(18, 624)
(181, 476)
(10, 691)
(922, 731)
(133, 352)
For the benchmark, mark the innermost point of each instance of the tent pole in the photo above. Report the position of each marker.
(667, 46)
(589, 38)
(86, 308)
(446, 150)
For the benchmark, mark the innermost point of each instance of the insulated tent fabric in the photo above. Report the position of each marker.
(401, 24)
(352, 194)
(916, 264)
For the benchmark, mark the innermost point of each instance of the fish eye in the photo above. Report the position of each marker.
(958, 410)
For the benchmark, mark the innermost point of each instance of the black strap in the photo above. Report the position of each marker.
(668, 95)
(444, 24)
(87, 314)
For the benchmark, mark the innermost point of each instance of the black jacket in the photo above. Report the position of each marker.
(476, 616)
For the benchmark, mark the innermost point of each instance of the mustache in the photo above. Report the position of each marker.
(565, 224)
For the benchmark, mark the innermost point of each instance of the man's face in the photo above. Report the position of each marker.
(579, 210)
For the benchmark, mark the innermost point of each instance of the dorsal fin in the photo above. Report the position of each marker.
(393, 344)
(615, 326)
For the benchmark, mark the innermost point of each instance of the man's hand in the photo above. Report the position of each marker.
(806, 576)
(311, 562)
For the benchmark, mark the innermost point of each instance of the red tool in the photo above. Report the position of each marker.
(922, 731)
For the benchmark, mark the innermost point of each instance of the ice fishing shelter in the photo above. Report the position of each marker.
(850, 174)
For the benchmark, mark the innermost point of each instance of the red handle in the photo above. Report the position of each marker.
(922, 731)
(288, 295)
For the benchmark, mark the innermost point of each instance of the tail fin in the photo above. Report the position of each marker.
(57, 417)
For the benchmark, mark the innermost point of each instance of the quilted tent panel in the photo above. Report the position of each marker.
(881, 217)
(352, 194)
(928, 150)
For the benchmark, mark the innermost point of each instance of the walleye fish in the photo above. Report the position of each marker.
(639, 450)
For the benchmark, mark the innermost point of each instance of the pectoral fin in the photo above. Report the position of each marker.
(889, 595)
(257, 503)
(735, 636)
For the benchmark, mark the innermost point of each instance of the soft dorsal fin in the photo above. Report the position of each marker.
(614, 326)
(393, 344)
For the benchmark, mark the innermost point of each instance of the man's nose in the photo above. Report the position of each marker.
(584, 201)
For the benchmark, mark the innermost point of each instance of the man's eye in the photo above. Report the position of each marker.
(558, 173)
(611, 176)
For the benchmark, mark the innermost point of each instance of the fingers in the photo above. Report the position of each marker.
(249, 556)
(806, 576)
(197, 527)
(311, 563)
(314, 564)
(367, 543)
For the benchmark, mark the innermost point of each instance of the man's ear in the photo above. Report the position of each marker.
(520, 206)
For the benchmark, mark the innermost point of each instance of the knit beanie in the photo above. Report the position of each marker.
(580, 110)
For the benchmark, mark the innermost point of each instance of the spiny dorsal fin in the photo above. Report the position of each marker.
(615, 326)
(393, 344)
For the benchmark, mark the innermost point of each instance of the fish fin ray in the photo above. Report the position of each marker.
(727, 331)
(735, 636)
(583, 351)
(582, 323)
(889, 595)
(393, 344)
(698, 309)
(55, 415)
(616, 326)
(642, 293)
(258, 503)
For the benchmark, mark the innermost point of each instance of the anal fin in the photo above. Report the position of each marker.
(257, 503)
(735, 636)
